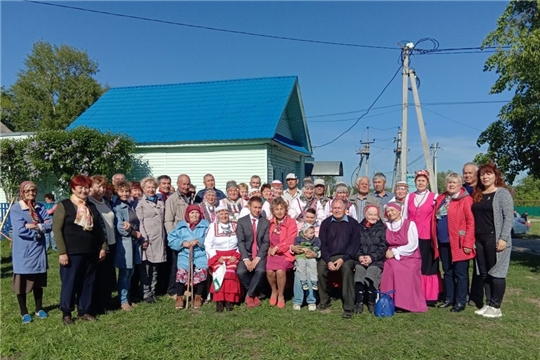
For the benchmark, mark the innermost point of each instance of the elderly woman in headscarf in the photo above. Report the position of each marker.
(342, 193)
(401, 190)
(401, 270)
(233, 201)
(150, 211)
(208, 206)
(277, 189)
(299, 206)
(81, 244)
(30, 222)
(221, 247)
(189, 236)
(420, 208)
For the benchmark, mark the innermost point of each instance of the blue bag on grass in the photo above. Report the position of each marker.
(385, 305)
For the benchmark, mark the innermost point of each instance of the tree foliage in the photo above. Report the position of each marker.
(441, 180)
(527, 192)
(64, 154)
(56, 86)
(513, 139)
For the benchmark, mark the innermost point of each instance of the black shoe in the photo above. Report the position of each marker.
(371, 307)
(445, 304)
(458, 308)
(67, 320)
(219, 306)
(150, 300)
(87, 317)
(358, 308)
(347, 315)
(229, 306)
(322, 306)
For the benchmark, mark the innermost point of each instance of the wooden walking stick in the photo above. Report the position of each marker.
(191, 281)
(189, 286)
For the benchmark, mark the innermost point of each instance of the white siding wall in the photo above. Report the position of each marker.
(233, 162)
(284, 127)
(282, 161)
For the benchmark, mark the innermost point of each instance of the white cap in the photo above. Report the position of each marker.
(291, 176)
(221, 207)
(319, 182)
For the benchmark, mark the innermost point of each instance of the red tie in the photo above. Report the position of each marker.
(254, 246)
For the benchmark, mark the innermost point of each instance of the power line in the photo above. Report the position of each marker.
(472, 48)
(367, 111)
(447, 118)
(354, 118)
(401, 105)
(238, 32)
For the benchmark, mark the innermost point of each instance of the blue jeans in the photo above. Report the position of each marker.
(300, 294)
(124, 283)
(49, 241)
(456, 276)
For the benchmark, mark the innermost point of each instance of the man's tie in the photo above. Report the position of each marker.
(254, 246)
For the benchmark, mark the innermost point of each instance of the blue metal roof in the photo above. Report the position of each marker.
(244, 109)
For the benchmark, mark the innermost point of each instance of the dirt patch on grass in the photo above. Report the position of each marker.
(533, 301)
(514, 291)
(250, 334)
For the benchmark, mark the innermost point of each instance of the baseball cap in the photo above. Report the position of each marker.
(291, 176)
(319, 182)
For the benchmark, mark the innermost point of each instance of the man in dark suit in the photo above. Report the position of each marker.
(253, 247)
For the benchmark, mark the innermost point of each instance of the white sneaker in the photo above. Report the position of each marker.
(482, 310)
(312, 307)
(492, 313)
(296, 307)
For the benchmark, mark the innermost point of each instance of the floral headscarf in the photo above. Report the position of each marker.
(83, 217)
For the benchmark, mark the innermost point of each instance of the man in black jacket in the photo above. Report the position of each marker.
(339, 236)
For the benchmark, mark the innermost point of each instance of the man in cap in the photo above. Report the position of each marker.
(364, 198)
(320, 189)
(292, 191)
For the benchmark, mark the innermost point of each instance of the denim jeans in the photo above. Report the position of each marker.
(124, 283)
(456, 276)
(300, 294)
(49, 241)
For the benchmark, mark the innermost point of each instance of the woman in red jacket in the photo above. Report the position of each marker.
(453, 228)
(283, 231)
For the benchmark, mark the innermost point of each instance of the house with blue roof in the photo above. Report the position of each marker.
(233, 129)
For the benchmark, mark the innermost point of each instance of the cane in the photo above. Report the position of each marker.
(189, 290)
(191, 280)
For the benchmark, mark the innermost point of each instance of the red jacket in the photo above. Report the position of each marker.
(287, 234)
(460, 225)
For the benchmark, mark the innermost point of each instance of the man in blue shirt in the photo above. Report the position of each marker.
(379, 184)
(209, 183)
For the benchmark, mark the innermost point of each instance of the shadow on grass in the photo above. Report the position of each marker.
(527, 260)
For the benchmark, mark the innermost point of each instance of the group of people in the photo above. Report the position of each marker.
(229, 246)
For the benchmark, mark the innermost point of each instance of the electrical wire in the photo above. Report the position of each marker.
(447, 118)
(385, 129)
(238, 32)
(364, 114)
(354, 118)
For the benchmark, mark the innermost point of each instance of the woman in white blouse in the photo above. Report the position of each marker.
(401, 271)
(221, 247)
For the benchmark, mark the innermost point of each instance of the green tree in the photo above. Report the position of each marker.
(441, 180)
(64, 154)
(13, 169)
(527, 191)
(56, 86)
(481, 158)
(513, 139)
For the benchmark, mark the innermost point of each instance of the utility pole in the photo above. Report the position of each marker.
(435, 148)
(405, 101)
(397, 163)
(364, 154)
(407, 72)
(423, 136)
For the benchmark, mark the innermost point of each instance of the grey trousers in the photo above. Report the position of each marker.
(307, 268)
(365, 275)
(149, 274)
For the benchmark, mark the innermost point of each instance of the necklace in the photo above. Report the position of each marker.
(419, 203)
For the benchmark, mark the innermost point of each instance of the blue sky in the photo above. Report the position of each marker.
(333, 79)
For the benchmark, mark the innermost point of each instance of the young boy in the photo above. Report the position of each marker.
(307, 267)
(50, 206)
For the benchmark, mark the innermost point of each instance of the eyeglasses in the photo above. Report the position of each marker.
(291, 179)
(30, 191)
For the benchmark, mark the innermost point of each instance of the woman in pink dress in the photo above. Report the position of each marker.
(420, 208)
(283, 231)
(401, 271)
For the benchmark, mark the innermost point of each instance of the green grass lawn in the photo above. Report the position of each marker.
(160, 332)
